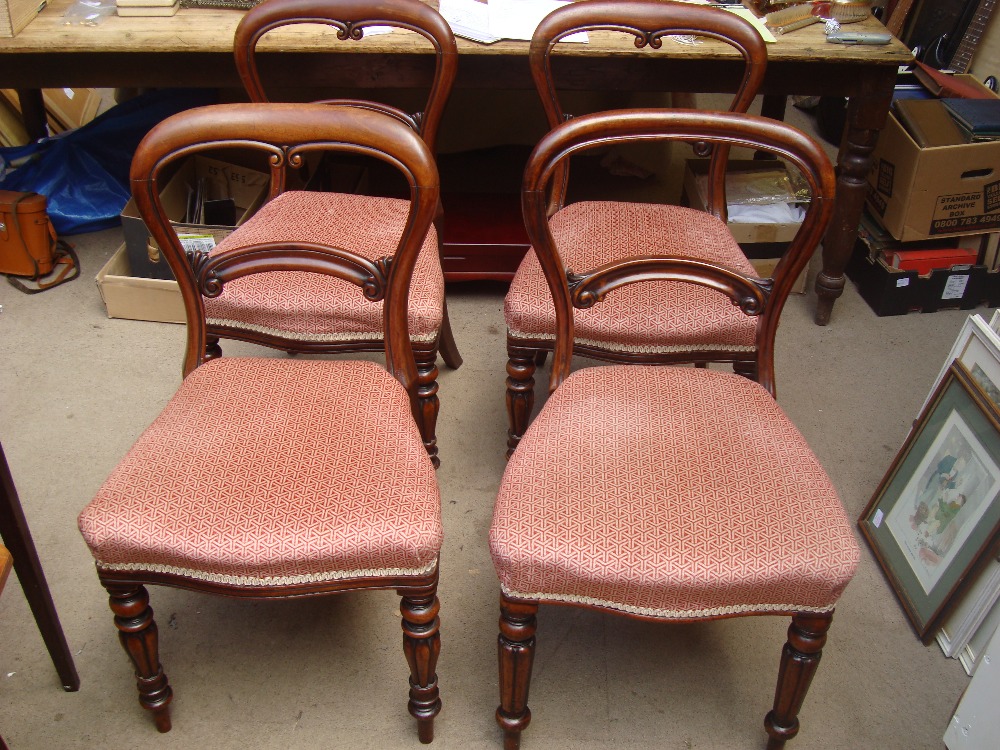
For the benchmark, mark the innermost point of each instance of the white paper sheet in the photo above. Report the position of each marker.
(758, 23)
(517, 19)
(468, 19)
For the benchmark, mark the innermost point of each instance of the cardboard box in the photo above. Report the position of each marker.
(70, 107)
(65, 108)
(12, 131)
(126, 296)
(763, 243)
(933, 192)
(893, 291)
(16, 14)
(247, 187)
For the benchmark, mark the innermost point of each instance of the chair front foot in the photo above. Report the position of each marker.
(515, 654)
(138, 635)
(422, 644)
(799, 660)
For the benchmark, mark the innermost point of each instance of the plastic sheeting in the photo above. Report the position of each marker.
(84, 172)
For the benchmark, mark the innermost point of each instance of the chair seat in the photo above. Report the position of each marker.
(648, 317)
(273, 472)
(670, 492)
(310, 307)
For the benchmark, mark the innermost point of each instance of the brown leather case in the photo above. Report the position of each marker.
(27, 240)
(928, 122)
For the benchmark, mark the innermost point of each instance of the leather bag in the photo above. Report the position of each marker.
(29, 246)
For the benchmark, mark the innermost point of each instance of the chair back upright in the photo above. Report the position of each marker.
(287, 134)
(649, 21)
(764, 298)
(350, 18)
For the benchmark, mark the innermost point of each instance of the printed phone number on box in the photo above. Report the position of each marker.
(961, 213)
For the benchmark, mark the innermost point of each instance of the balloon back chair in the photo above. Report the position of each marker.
(669, 493)
(668, 324)
(274, 477)
(322, 314)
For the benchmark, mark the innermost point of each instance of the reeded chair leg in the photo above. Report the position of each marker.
(799, 659)
(422, 644)
(427, 399)
(520, 393)
(138, 635)
(446, 343)
(515, 653)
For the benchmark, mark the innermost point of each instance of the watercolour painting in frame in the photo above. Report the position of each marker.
(935, 516)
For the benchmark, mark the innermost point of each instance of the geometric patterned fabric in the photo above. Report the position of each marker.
(648, 316)
(669, 492)
(273, 472)
(312, 307)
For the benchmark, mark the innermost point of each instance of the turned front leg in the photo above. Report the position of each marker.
(799, 659)
(520, 394)
(515, 653)
(138, 635)
(428, 404)
(422, 644)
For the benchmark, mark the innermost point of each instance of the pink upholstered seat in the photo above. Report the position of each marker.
(622, 494)
(264, 472)
(310, 307)
(642, 318)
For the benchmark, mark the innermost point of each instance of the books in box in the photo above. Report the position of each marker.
(979, 119)
(929, 122)
(16, 14)
(147, 7)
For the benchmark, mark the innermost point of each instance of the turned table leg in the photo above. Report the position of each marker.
(866, 114)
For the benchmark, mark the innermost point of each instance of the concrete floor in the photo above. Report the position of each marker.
(77, 388)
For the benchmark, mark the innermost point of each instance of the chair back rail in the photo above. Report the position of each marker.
(286, 133)
(649, 21)
(351, 18)
(765, 298)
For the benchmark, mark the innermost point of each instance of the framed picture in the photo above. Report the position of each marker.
(978, 348)
(935, 516)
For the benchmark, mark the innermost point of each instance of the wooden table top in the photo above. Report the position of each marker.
(201, 30)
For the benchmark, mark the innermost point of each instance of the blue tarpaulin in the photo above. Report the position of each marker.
(84, 172)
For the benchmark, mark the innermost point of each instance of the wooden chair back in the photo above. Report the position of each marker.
(350, 18)
(287, 134)
(650, 22)
(759, 297)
